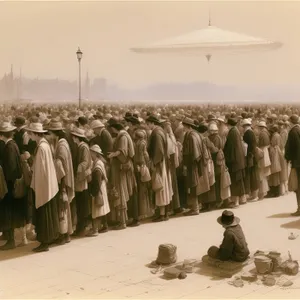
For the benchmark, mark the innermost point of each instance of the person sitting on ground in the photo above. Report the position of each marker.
(234, 246)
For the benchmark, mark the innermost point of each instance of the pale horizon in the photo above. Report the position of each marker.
(42, 38)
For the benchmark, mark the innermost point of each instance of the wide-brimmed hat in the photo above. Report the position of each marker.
(153, 119)
(78, 132)
(119, 126)
(246, 122)
(262, 124)
(211, 117)
(96, 124)
(96, 149)
(55, 125)
(232, 121)
(19, 121)
(6, 127)
(134, 119)
(228, 219)
(213, 127)
(221, 119)
(36, 127)
(188, 121)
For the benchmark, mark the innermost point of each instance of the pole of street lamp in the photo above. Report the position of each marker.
(79, 81)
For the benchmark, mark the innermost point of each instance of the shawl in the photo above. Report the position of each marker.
(44, 180)
(192, 148)
(264, 138)
(64, 167)
(141, 156)
(124, 144)
(234, 152)
(157, 147)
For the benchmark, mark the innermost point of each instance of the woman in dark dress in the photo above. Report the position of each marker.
(12, 211)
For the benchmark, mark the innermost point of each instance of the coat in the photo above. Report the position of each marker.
(44, 180)
(234, 246)
(292, 147)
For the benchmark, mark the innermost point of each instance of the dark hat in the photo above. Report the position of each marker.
(117, 126)
(294, 119)
(82, 120)
(134, 119)
(202, 127)
(19, 121)
(188, 121)
(112, 121)
(128, 116)
(153, 119)
(228, 219)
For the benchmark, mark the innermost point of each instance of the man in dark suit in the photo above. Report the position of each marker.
(292, 153)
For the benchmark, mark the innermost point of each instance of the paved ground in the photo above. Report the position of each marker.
(113, 265)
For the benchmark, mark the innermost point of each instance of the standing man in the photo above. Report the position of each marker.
(158, 154)
(292, 154)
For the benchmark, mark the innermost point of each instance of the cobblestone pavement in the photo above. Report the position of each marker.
(112, 265)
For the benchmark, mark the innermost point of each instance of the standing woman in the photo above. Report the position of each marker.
(45, 187)
(65, 176)
(98, 190)
(12, 210)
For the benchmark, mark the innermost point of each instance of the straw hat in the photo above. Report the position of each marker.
(262, 124)
(96, 149)
(55, 125)
(36, 127)
(213, 127)
(188, 121)
(246, 122)
(78, 132)
(96, 124)
(6, 127)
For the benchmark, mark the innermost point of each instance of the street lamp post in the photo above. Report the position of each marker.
(79, 57)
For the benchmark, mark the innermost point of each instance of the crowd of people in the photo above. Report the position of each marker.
(80, 172)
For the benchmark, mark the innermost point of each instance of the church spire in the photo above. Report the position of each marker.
(209, 18)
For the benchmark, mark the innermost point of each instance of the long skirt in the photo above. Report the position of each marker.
(218, 188)
(251, 179)
(208, 197)
(237, 183)
(181, 188)
(47, 222)
(12, 211)
(144, 197)
(133, 206)
(83, 208)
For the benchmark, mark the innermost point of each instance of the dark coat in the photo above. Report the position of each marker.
(234, 246)
(104, 141)
(292, 147)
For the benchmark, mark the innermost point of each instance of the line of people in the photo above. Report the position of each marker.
(82, 176)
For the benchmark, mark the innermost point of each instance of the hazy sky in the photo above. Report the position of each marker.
(43, 37)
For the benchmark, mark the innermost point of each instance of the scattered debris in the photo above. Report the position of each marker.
(237, 282)
(182, 275)
(249, 277)
(269, 280)
(172, 273)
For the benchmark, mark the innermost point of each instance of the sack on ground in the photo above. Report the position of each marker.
(167, 254)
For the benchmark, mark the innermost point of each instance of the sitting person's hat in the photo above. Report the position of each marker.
(228, 219)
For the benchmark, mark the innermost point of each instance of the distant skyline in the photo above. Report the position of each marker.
(42, 38)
